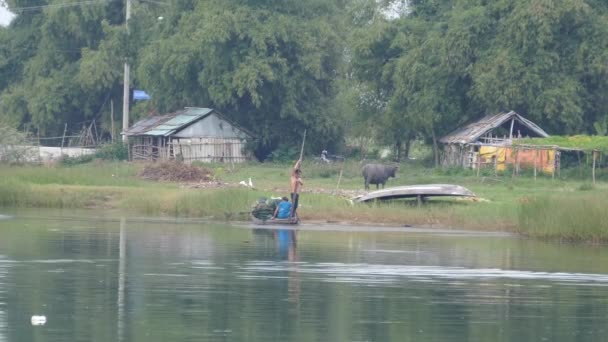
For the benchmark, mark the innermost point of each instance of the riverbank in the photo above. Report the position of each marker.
(546, 208)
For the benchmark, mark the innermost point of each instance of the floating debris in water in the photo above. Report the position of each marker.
(38, 320)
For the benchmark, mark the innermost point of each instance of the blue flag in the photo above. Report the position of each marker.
(140, 95)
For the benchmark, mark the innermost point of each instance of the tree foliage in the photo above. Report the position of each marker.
(43, 86)
(269, 65)
(448, 62)
(390, 70)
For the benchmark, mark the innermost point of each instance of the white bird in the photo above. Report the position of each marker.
(250, 183)
(243, 183)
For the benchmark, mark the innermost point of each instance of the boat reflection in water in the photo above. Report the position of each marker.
(286, 243)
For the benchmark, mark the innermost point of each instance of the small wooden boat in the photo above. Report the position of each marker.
(292, 220)
(416, 191)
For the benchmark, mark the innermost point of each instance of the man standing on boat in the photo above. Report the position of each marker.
(296, 185)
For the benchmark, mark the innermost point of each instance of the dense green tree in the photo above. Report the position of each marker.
(448, 62)
(270, 65)
(377, 69)
(48, 42)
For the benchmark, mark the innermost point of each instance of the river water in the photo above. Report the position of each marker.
(95, 276)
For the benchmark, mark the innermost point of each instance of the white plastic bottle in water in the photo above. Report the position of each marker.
(38, 320)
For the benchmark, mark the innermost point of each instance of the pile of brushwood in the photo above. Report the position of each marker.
(263, 208)
(175, 172)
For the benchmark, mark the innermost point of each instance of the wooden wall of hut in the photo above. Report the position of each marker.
(143, 148)
(456, 155)
(188, 150)
(220, 150)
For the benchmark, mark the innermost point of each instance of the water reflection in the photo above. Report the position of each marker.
(287, 248)
(122, 262)
(130, 280)
(3, 323)
(286, 243)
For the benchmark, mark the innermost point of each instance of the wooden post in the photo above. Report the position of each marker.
(554, 165)
(593, 169)
(558, 163)
(517, 165)
(535, 154)
(112, 119)
(580, 170)
(65, 128)
(339, 179)
(478, 162)
(515, 152)
(96, 138)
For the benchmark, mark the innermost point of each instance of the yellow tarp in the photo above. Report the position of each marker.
(545, 159)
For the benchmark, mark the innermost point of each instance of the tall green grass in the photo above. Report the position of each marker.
(575, 217)
(216, 203)
(97, 173)
(542, 208)
(229, 203)
(17, 194)
(13, 193)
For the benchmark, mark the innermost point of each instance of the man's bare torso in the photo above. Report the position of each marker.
(295, 179)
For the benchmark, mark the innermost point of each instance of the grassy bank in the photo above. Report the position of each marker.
(576, 217)
(566, 209)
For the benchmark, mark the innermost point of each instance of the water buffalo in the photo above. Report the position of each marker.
(377, 174)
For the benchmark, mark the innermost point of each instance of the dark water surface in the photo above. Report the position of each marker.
(97, 277)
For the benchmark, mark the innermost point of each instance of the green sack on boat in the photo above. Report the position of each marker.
(264, 208)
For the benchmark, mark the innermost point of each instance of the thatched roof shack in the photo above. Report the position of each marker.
(464, 146)
(191, 134)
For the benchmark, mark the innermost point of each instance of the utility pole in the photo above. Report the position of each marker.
(126, 92)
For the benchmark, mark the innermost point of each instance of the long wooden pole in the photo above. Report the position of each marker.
(340, 176)
(126, 92)
(303, 141)
(593, 169)
(112, 118)
(535, 155)
(65, 128)
(514, 152)
(554, 164)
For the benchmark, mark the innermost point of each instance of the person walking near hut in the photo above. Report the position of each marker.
(296, 185)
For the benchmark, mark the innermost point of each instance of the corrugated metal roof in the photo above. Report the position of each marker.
(167, 124)
(473, 131)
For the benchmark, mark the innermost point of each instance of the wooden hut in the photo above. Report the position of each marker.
(489, 142)
(191, 134)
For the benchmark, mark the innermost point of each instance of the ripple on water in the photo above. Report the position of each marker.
(370, 273)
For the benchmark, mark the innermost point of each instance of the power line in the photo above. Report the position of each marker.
(60, 5)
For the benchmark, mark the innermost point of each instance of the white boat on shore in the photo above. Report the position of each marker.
(420, 192)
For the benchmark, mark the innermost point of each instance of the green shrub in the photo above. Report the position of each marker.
(586, 187)
(72, 161)
(284, 153)
(114, 151)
